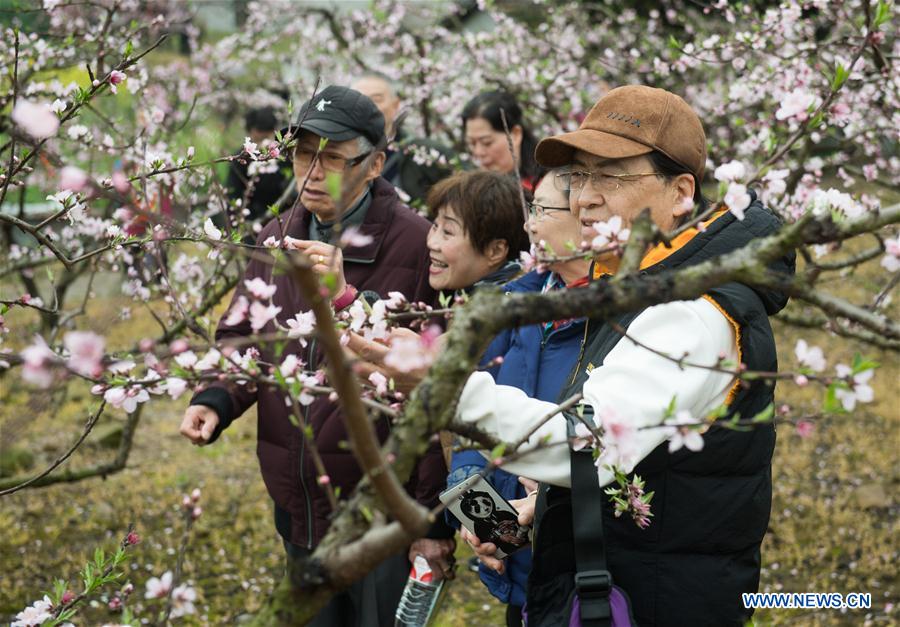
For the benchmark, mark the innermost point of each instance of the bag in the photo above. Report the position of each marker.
(597, 602)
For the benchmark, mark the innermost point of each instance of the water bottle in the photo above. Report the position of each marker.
(420, 596)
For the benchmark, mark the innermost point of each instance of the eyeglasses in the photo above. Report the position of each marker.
(599, 181)
(329, 161)
(539, 211)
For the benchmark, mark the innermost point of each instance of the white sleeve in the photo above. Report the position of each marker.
(635, 382)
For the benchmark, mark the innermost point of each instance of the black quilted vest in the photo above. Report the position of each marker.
(710, 509)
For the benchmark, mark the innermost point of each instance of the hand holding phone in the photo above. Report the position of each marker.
(487, 515)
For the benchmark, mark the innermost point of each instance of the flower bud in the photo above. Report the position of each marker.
(195, 495)
(179, 346)
(324, 480)
(132, 538)
(67, 597)
(195, 514)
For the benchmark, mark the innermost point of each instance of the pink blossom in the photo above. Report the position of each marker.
(238, 312)
(131, 539)
(891, 260)
(583, 437)
(323, 480)
(120, 182)
(250, 148)
(211, 231)
(72, 178)
(730, 172)
(179, 346)
(271, 242)
(609, 232)
(796, 104)
(737, 199)
(36, 360)
(290, 366)
(36, 614)
(859, 389)
(683, 430)
(618, 442)
(358, 315)
(408, 354)
(805, 428)
(395, 300)
(380, 382)
(186, 359)
(301, 325)
(196, 512)
(261, 314)
(527, 260)
(801, 380)
(158, 587)
(352, 237)
(259, 288)
(175, 387)
(126, 398)
(810, 356)
(115, 77)
(190, 153)
(37, 119)
(85, 352)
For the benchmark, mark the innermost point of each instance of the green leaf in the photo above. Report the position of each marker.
(274, 209)
(832, 404)
(129, 48)
(333, 184)
(323, 141)
(840, 76)
(861, 365)
(670, 409)
(367, 513)
(498, 450)
(882, 13)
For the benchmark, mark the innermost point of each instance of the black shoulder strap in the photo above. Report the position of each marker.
(593, 581)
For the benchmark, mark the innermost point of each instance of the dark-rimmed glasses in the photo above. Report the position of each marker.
(599, 181)
(329, 161)
(539, 211)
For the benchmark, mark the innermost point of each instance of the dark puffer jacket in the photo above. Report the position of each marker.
(396, 260)
(711, 508)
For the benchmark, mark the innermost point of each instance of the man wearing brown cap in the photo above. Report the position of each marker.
(392, 256)
(638, 148)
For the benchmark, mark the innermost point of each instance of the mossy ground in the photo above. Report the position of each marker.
(833, 528)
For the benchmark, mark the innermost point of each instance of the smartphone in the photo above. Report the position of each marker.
(487, 515)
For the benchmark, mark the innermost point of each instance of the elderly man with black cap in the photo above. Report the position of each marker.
(640, 148)
(394, 257)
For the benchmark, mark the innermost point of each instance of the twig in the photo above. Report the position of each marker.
(92, 420)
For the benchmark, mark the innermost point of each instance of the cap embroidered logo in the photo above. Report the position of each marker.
(322, 103)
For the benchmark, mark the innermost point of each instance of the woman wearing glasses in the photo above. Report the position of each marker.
(536, 359)
(486, 139)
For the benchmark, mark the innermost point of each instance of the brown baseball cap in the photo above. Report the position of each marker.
(630, 121)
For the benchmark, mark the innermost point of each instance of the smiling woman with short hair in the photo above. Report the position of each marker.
(478, 232)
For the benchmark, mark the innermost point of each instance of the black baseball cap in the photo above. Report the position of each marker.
(339, 114)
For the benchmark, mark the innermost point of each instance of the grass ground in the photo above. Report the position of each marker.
(833, 528)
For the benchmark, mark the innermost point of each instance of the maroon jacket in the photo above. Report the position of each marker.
(396, 260)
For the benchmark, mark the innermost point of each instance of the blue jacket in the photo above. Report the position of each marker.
(538, 366)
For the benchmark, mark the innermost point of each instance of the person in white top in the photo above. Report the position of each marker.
(644, 148)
